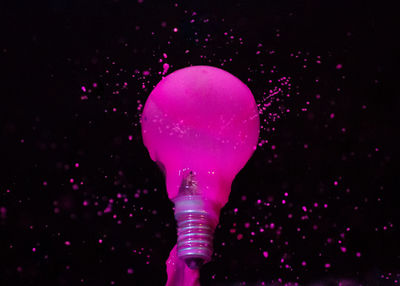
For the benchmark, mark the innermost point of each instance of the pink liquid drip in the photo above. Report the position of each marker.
(178, 272)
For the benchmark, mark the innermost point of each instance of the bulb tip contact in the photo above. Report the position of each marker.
(194, 263)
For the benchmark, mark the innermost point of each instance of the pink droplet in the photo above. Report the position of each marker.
(165, 68)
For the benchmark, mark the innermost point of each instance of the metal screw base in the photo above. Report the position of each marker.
(196, 225)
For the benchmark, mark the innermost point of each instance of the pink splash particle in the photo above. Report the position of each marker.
(335, 183)
(67, 243)
(175, 30)
(339, 66)
(129, 271)
(100, 241)
(327, 265)
(265, 253)
(165, 68)
(343, 249)
(130, 137)
(358, 254)
(34, 249)
(83, 88)
(304, 263)
(76, 165)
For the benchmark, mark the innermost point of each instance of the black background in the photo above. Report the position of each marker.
(50, 49)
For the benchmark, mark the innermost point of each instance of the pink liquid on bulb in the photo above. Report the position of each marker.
(204, 121)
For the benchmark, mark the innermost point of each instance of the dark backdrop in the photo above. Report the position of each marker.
(81, 203)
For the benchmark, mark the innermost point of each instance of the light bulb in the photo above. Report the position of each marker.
(201, 125)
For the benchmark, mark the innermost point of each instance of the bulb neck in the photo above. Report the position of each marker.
(196, 220)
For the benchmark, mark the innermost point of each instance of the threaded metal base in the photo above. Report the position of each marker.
(196, 225)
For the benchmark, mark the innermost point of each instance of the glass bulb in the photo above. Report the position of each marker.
(201, 125)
